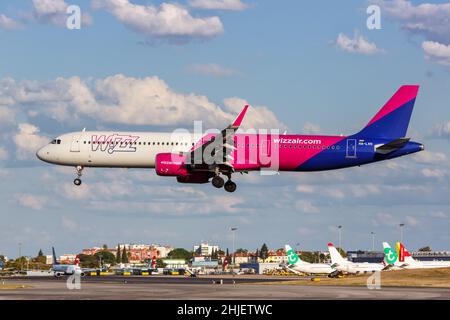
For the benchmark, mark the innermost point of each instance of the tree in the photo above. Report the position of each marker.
(40, 253)
(180, 253)
(160, 263)
(118, 255)
(105, 247)
(105, 257)
(264, 252)
(124, 255)
(214, 254)
(342, 252)
(88, 261)
(425, 249)
(241, 250)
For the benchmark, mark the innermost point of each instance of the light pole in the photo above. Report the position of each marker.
(340, 237)
(401, 225)
(20, 254)
(373, 240)
(233, 230)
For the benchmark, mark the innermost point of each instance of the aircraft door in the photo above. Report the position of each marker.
(75, 146)
(351, 148)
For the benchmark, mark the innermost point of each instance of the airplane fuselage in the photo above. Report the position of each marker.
(252, 151)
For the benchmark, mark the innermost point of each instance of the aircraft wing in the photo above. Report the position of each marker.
(391, 146)
(223, 143)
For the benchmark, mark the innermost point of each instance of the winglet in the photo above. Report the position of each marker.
(240, 117)
(330, 244)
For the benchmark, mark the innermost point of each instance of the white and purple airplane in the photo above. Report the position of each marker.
(209, 157)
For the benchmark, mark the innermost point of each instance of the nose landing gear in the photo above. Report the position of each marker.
(77, 180)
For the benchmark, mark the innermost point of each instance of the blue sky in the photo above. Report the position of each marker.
(306, 67)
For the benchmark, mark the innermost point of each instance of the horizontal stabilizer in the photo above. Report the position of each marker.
(391, 146)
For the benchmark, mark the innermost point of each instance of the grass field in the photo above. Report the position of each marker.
(437, 278)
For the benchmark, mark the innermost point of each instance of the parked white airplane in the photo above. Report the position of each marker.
(346, 266)
(403, 260)
(297, 265)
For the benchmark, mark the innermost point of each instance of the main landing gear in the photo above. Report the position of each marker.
(77, 180)
(218, 182)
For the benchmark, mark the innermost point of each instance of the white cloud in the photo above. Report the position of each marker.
(9, 23)
(442, 130)
(236, 5)
(3, 154)
(412, 221)
(31, 201)
(305, 232)
(128, 100)
(7, 115)
(311, 128)
(364, 190)
(257, 117)
(28, 141)
(68, 224)
(439, 215)
(437, 52)
(54, 12)
(387, 219)
(305, 189)
(428, 157)
(357, 44)
(428, 19)
(211, 69)
(335, 193)
(306, 206)
(167, 20)
(433, 173)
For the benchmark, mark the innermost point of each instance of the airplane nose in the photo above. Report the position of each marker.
(41, 154)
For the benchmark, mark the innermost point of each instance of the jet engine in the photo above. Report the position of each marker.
(170, 164)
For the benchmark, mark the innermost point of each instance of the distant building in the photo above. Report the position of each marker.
(175, 263)
(162, 251)
(137, 253)
(242, 257)
(68, 258)
(49, 259)
(378, 256)
(260, 268)
(431, 255)
(204, 249)
(204, 262)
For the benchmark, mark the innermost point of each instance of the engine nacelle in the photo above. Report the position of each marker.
(200, 177)
(170, 164)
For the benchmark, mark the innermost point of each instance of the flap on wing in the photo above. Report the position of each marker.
(391, 146)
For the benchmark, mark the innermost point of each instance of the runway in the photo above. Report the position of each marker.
(160, 287)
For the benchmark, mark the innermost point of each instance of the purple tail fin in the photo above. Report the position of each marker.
(393, 119)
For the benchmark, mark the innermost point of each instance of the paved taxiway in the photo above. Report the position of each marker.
(159, 287)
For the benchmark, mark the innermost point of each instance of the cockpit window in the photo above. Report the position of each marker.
(53, 141)
(56, 141)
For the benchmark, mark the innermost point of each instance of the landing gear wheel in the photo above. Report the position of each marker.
(77, 181)
(218, 182)
(230, 186)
